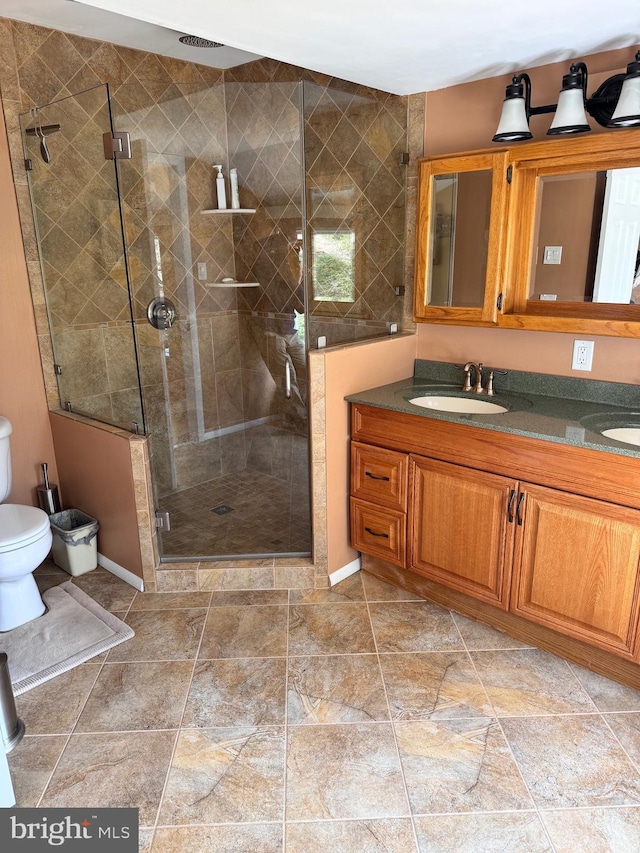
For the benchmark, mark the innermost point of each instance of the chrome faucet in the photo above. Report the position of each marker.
(477, 388)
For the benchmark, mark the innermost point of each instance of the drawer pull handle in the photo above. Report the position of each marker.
(373, 533)
(512, 497)
(373, 476)
(519, 507)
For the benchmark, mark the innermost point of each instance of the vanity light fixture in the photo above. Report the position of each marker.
(616, 103)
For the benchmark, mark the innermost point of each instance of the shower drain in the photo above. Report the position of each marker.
(223, 509)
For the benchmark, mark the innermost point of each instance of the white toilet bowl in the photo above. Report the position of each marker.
(25, 541)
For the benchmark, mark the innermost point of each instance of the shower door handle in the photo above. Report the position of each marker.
(287, 379)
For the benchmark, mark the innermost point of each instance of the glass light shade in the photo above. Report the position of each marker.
(514, 125)
(627, 112)
(570, 116)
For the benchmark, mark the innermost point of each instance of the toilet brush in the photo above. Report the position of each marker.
(48, 497)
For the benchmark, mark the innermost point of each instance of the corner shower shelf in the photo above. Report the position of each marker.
(231, 210)
(233, 284)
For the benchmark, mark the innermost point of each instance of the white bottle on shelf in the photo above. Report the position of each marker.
(235, 196)
(220, 190)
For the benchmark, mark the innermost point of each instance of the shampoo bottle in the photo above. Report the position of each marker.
(220, 190)
(235, 197)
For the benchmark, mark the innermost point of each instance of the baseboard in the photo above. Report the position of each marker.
(121, 572)
(350, 569)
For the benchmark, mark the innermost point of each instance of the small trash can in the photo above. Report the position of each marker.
(11, 726)
(75, 541)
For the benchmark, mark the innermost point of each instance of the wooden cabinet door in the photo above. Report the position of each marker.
(463, 528)
(576, 567)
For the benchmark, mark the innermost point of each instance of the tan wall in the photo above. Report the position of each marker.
(463, 118)
(96, 478)
(22, 394)
(348, 371)
(566, 219)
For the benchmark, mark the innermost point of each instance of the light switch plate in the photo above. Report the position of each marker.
(552, 255)
(202, 271)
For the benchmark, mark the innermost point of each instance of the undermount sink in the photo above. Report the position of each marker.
(462, 405)
(629, 435)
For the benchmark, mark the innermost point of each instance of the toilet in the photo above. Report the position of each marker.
(25, 540)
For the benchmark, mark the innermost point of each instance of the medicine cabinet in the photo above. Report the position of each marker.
(461, 222)
(562, 237)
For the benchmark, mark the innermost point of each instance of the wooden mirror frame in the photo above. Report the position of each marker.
(496, 162)
(530, 163)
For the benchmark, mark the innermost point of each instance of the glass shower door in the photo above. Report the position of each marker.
(224, 383)
(75, 202)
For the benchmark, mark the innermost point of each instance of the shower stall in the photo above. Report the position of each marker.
(191, 324)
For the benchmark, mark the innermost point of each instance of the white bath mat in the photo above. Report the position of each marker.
(73, 629)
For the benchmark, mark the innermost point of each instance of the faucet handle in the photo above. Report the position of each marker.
(477, 388)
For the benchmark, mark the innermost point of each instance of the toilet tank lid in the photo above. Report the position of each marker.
(5, 427)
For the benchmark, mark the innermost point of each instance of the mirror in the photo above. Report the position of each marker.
(459, 238)
(587, 238)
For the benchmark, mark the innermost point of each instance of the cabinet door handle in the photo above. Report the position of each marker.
(519, 507)
(512, 497)
(373, 476)
(373, 533)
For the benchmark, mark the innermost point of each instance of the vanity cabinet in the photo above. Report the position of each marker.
(528, 527)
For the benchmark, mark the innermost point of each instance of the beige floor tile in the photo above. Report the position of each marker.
(108, 590)
(509, 832)
(353, 836)
(226, 776)
(377, 590)
(335, 689)
(344, 771)
(250, 838)
(319, 629)
(607, 695)
(350, 589)
(161, 635)
(433, 686)
(572, 761)
(459, 766)
(145, 838)
(530, 682)
(112, 771)
(477, 636)
(130, 696)
(31, 764)
(236, 632)
(626, 727)
(170, 600)
(244, 597)
(54, 707)
(237, 692)
(414, 627)
(594, 830)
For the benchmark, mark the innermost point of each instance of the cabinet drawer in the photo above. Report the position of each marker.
(379, 532)
(379, 475)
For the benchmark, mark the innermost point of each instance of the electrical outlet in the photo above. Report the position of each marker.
(582, 355)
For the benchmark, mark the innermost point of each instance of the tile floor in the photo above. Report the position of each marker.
(351, 720)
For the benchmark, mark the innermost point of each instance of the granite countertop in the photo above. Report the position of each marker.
(554, 408)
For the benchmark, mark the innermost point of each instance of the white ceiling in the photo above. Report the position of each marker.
(402, 47)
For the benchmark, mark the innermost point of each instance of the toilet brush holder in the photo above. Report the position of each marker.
(48, 497)
(11, 726)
